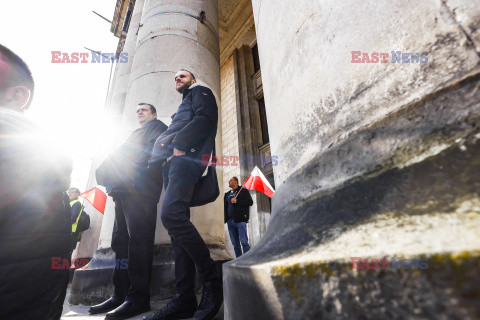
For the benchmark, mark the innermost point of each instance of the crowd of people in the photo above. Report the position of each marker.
(39, 221)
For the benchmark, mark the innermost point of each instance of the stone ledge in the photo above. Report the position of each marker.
(447, 289)
(417, 131)
(409, 188)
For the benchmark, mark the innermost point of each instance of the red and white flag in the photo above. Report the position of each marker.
(257, 181)
(97, 198)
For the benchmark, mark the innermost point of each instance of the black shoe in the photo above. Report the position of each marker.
(127, 310)
(175, 309)
(212, 299)
(105, 306)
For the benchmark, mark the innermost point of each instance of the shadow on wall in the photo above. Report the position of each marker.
(318, 291)
(379, 154)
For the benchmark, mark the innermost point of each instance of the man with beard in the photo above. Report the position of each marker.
(179, 149)
(34, 210)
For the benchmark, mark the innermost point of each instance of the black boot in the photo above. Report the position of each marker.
(177, 308)
(212, 299)
(127, 310)
(105, 306)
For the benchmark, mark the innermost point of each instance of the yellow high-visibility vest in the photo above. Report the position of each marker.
(74, 225)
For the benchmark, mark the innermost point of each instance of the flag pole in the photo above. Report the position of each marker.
(238, 192)
(241, 188)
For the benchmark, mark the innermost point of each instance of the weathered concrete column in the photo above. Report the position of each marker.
(172, 38)
(116, 131)
(376, 160)
(92, 284)
(173, 35)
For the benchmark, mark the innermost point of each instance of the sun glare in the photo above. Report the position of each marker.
(69, 99)
(84, 140)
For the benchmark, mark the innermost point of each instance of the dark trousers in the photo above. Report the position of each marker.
(179, 177)
(132, 241)
(37, 295)
(32, 236)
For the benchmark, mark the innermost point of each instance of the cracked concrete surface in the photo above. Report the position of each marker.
(466, 15)
(351, 96)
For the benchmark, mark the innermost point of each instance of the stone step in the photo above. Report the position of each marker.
(80, 312)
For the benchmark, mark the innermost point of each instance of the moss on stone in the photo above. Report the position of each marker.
(293, 280)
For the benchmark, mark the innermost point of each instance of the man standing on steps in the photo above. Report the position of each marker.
(179, 149)
(135, 189)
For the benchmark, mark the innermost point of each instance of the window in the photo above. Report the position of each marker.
(256, 59)
(263, 120)
(126, 22)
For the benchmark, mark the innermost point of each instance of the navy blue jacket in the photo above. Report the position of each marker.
(127, 171)
(76, 210)
(193, 127)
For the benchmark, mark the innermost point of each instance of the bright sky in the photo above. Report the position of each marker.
(69, 98)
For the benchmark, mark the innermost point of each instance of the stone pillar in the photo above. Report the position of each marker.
(173, 35)
(172, 38)
(376, 161)
(116, 132)
(92, 284)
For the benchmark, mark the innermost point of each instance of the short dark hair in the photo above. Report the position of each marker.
(75, 189)
(189, 72)
(152, 108)
(235, 178)
(20, 75)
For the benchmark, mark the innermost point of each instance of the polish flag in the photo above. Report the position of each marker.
(257, 181)
(97, 198)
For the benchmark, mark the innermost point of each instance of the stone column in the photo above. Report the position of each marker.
(171, 38)
(172, 35)
(93, 283)
(116, 132)
(376, 161)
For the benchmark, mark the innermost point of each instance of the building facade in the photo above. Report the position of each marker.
(366, 119)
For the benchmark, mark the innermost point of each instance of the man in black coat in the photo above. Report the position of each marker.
(178, 150)
(135, 189)
(237, 204)
(35, 245)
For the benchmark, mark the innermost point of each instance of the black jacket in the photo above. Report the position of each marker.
(241, 209)
(193, 127)
(35, 221)
(127, 171)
